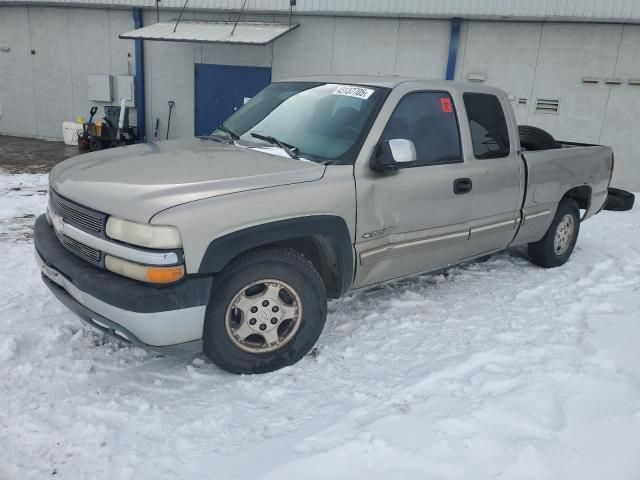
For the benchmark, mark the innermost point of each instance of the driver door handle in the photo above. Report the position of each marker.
(462, 186)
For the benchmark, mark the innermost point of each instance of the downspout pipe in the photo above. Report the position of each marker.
(454, 40)
(139, 82)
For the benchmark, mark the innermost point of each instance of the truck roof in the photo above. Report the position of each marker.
(390, 81)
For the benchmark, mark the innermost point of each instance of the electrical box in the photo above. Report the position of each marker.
(100, 89)
(125, 86)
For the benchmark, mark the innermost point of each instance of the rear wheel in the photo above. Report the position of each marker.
(266, 311)
(555, 248)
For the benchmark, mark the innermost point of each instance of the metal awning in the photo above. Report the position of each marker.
(245, 33)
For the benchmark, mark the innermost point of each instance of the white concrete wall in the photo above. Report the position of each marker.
(506, 53)
(41, 90)
(621, 126)
(17, 92)
(536, 60)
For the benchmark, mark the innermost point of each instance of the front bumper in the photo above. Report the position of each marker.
(161, 318)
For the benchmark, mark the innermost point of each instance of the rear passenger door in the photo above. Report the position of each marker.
(412, 220)
(496, 173)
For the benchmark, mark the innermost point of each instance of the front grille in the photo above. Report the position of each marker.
(81, 217)
(90, 254)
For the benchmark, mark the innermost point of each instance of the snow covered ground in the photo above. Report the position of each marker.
(494, 370)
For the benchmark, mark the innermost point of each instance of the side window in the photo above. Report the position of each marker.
(429, 121)
(489, 132)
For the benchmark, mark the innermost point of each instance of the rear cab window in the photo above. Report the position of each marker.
(488, 125)
(428, 119)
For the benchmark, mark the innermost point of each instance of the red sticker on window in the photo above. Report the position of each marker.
(445, 104)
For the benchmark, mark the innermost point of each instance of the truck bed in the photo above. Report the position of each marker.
(551, 173)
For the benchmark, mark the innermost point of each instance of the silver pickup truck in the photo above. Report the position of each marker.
(319, 186)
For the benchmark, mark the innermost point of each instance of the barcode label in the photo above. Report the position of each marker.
(352, 91)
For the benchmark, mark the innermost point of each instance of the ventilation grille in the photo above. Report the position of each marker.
(547, 105)
(78, 216)
(90, 254)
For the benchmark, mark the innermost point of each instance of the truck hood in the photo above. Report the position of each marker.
(138, 181)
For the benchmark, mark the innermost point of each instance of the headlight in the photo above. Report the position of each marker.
(143, 235)
(143, 273)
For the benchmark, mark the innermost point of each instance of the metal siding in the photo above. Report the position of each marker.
(52, 69)
(17, 89)
(568, 53)
(577, 10)
(621, 117)
(429, 58)
(364, 48)
(291, 52)
(508, 53)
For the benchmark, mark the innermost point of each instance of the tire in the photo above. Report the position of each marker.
(619, 200)
(550, 252)
(290, 286)
(534, 138)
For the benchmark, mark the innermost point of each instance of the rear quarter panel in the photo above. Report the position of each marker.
(551, 174)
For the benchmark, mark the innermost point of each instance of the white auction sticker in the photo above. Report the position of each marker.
(352, 91)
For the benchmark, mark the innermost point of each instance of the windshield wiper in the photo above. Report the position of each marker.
(274, 141)
(212, 137)
(232, 136)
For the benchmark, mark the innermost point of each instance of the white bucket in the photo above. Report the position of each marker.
(70, 132)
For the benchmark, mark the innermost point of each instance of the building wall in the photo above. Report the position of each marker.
(549, 60)
(40, 90)
(529, 60)
(17, 92)
(320, 45)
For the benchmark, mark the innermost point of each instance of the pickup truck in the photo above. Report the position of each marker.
(231, 243)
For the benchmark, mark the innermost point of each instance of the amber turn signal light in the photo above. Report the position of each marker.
(165, 274)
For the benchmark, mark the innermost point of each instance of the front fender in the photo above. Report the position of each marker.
(211, 227)
(223, 249)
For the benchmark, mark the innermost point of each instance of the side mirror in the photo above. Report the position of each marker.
(390, 154)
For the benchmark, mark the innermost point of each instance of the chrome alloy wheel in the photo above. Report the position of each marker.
(263, 316)
(564, 235)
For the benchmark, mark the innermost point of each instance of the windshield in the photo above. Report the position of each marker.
(318, 121)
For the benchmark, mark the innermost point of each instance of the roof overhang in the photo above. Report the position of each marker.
(245, 33)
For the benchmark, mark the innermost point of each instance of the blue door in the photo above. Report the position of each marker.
(221, 89)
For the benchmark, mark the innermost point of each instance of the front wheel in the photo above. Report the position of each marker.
(555, 248)
(266, 311)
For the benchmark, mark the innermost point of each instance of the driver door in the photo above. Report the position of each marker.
(416, 219)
